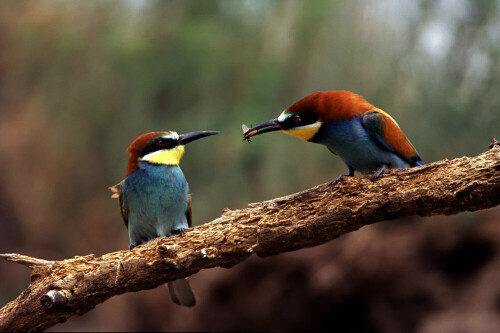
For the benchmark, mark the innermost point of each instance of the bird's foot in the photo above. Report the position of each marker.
(180, 231)
(131, 246)
(336, 181)
(378, 172)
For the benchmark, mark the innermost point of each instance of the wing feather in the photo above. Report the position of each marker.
(384, 130)
(117, 193)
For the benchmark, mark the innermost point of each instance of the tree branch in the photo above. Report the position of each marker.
(60, 289)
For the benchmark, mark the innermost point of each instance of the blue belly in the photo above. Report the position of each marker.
(349, 139)
(157, 199)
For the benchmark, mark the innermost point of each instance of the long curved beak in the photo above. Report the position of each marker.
(191, 136)
(268, 126)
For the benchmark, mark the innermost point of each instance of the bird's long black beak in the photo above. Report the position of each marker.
(268, 126)
(191, 136)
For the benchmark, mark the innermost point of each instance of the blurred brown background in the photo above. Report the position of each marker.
(79, 80)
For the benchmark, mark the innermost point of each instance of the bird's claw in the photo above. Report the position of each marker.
(336, 181)
(378, 172)
(131, 246)
(180, 231)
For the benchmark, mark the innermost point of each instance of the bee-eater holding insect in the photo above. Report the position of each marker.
(366, 138)
(154, 196)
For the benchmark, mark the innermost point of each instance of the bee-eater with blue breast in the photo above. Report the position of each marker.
(366, 138)
(154, 196)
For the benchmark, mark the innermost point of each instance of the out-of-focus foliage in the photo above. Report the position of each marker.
(79, 80)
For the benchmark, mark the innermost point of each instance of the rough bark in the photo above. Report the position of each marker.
(60, 289)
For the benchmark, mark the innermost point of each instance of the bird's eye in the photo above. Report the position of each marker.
(296, 119)
(161, 142)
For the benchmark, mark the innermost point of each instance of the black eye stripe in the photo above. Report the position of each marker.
(300, 119)
(164, 141)
(158, 144)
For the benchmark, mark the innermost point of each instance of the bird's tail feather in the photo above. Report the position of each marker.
(181, 293)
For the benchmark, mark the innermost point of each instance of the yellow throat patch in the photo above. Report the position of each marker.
(304, 132)
(167, 156)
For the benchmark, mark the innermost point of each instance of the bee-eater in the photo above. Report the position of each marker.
(154, 196)
(366, 138)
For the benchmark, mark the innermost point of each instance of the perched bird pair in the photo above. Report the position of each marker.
(154, 196)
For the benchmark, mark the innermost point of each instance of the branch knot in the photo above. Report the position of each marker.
(54, 299)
